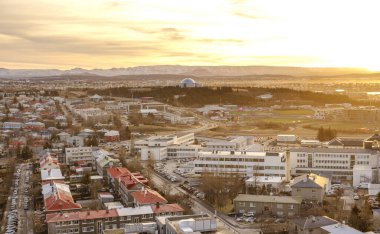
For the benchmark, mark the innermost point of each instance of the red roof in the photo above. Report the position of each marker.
(148, 196)
(60, 199)
(80, 215)
(116, 172)
(166, 208)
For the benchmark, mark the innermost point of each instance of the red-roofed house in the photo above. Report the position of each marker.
(167, 210)
(147, 197)
(128, 184)
(60, 199)
(113, 175)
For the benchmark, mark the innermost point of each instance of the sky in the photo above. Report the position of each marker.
(65, 34)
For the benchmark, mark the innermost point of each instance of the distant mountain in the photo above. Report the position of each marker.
(182, 70)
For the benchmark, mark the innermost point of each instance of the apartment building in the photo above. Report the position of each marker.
(281, 206)
(79, 155)
(58, 198)
(96, 221)
(245, 163)
(334, 163)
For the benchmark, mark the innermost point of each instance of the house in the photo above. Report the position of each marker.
(104, 160)
(50, 175)
(310, 187)
(167, 210)
(131, 183)
(112, 136)
(147, 197)
(58, 198)
(320, 225)
(281, 206)
(113, 176)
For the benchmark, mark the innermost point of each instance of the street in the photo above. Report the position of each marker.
(17, 196)
(200, 208)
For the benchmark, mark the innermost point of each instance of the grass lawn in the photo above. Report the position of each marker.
(293, 112)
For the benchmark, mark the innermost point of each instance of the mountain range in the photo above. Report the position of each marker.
(203, 71)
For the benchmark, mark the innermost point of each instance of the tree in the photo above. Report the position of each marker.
(20, 107)
(117, 121)
(14, 99)
(26, 153)
(135, 165)
(123, 157)
(378, 197)
(326, 134)
(92, 141)
(86, 179)
(127, 132)
(366, 215)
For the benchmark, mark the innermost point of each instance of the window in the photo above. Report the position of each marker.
(291, 207)
(252, 204)
(279, 206)
(241, 203)
(88, 229)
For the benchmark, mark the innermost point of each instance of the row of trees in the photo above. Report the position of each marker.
(361, 218)
(220, 190)
(326, 134)
(226, 95)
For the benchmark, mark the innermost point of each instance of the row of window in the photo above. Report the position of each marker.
(232, 159)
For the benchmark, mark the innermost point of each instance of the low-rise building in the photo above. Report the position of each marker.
(80, 154)
(281, 206)
(245, 163)
(310, 187)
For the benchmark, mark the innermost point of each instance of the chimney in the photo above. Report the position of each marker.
(145, 193)
(88, 212)
(157, 205)
(107, 210)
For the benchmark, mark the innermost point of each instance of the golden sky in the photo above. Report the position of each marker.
(122, 33)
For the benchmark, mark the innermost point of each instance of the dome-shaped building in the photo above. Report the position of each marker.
(188, 83)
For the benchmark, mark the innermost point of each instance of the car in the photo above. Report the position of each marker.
(363, 186)
(239, 219)
(249, 214)
(356, 197)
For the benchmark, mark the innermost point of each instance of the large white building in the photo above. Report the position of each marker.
(244, 163)
(337, 164)
(236, 143)
(79, 155)
(158, 147)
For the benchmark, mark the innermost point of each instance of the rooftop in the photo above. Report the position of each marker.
(269, 199)
(314, 222)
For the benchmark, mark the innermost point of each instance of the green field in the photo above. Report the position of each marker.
(293, 112)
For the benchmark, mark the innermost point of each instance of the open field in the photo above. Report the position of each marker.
(293, 112)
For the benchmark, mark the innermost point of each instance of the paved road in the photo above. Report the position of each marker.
(200, 207)
(25, 224)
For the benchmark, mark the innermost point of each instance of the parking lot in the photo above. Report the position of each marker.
(19, 220)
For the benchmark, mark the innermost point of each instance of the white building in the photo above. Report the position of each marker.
(79, 155)
(188, 83)
(336, 164)
(177, 119)
(157, 147)
(183, 151)
(237, 143)
(242, 162)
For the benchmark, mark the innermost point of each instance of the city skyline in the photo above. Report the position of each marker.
(105, 34)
